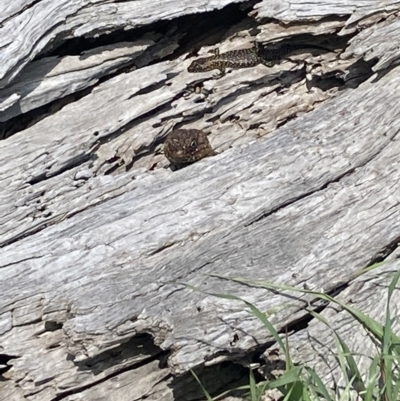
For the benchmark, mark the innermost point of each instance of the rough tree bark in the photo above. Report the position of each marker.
(100, 240)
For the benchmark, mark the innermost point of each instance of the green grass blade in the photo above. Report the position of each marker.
(346, 394)
(347, 362)
(354, 372)
(289, 384)
(396, 389)
(393, 284)
(295, 391)
(261, 316)
(387, 345)
(319, 385)
(373, 326)
(288, 378)
(262, 389)
(372, 380)
(390, 351)
(288, 395)
(342, 363)
(208, 396)
(306, 393)
(253, 386)
(288, 359)
(387, 337)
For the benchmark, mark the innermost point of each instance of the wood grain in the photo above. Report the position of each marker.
(99, 241)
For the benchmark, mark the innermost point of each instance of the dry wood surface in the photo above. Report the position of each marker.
(103, 246)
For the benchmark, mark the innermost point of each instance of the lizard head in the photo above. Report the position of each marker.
(200, 65)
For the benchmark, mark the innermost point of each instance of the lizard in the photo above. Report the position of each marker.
(244, 58)
(186, 146)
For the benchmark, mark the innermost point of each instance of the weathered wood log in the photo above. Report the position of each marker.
(100, 240)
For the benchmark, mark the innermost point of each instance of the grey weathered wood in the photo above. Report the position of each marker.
(108, 231)
(93, 264)
(45, 21)
(50, 199)
(303, 10)
(370, 45)
(40, 82)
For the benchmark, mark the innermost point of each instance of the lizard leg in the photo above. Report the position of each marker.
(214, 51)
(222, 72)
(268, 63)
(258, 47)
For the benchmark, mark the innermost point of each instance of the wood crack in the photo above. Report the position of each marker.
(69, 165)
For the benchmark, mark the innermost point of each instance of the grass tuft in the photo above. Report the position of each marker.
(302, 383)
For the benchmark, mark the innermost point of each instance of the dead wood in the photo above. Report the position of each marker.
(100, 240)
